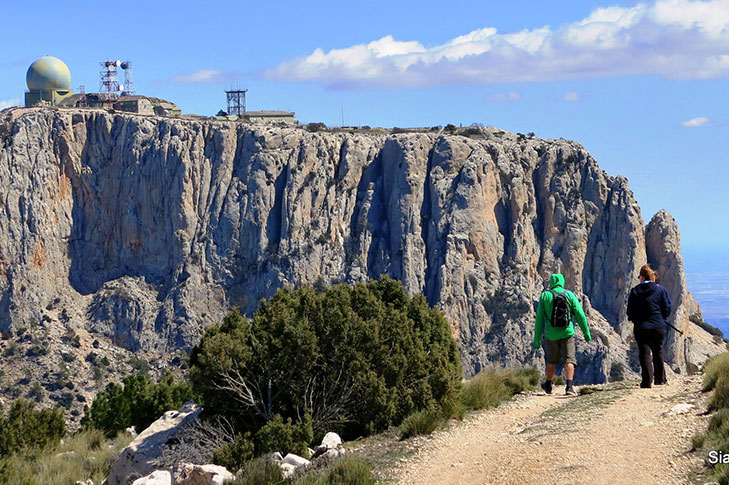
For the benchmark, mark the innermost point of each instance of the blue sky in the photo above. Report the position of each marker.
(642, 85)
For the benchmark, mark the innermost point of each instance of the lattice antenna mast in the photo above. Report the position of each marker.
(128, 81)
(236, 101)
(108, 84)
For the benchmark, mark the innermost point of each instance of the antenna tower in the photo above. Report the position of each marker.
(109, 87)
(236, 101)
(128, 82)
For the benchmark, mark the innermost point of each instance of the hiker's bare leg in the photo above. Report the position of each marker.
(569, 371)
(550, 371)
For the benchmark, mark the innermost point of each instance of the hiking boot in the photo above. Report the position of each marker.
(570, 391)
(547, 386)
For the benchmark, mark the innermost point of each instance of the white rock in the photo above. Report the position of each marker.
(331, 453)
(295, 460)
(159, 477)
(678, 409)
(331, 441)
(131, 431)
(65, 453)
(287, 469)
(85, 482)
(276, 456)
(203, 475)
(139, 456)
(311, 452)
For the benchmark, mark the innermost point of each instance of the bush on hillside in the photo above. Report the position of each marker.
(421, 422)
(716, 437)
(356, 359)
(698, 320)
(494, 385)
(348, 469)
(720, 398)
(714, 368)
(236, 455)
(261, 471)
(285, 437)
(25, 428)
(137, 402)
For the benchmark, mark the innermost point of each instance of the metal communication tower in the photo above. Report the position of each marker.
(236, 101)
(128, 82)
(108, 85)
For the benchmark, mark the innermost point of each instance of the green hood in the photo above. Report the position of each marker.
(556, 280)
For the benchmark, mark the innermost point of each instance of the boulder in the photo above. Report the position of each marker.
(131, 431)
(203, 475)
(295, 460)
(331, 441)
(287, 469)
(158, 477)
(139, 457)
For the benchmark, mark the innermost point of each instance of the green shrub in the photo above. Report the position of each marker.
(716, 378)
(285, 437)
(720, 398)
(358, 359)
(236, 455)
(714, 368)
(698, 320)
(137, 402)
(350, 470)
(24, 428)
(558, 380)
(346, 470)
(261, 471)
(494, 385)
(420, 422)
(697, 441)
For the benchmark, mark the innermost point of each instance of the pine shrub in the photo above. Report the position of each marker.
(356, 359)
(138, 402)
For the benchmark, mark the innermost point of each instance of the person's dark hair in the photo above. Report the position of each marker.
(647, 273)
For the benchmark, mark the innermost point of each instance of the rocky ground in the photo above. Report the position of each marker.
(618, 433)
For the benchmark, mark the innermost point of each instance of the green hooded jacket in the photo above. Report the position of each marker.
(544, 314)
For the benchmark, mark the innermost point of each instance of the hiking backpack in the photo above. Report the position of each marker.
(560, 310)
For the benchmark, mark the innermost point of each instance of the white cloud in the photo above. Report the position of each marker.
(697, 122)
(504, 97)
(572, 96)
(7, 103)
(203, 76)
(675, 39)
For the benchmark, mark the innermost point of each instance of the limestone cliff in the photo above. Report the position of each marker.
(144, 230)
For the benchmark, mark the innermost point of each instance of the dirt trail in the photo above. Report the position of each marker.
(620, 434)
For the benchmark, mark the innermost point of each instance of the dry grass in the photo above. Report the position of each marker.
(85, 455)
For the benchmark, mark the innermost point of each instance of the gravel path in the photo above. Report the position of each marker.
(618, 434)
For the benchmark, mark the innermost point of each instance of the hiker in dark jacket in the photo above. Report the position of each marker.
(648, 307)
(560, 341)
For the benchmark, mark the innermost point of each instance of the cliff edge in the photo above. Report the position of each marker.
(138, 232)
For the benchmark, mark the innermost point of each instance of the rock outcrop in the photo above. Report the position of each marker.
(139, 458)
(145, 230)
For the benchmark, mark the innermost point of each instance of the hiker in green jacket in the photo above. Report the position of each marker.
(558, 309)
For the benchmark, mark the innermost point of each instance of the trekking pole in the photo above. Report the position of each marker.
(679, 331)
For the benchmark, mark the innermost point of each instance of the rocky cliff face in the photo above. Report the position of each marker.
(141, 231)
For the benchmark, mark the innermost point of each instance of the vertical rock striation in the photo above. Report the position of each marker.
(145, 230)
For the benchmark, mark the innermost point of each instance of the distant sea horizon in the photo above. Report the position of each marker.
(707, 278)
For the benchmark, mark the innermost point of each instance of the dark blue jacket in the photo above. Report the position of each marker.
(649, 306)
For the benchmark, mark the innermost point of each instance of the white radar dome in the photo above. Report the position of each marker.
(48, 73)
